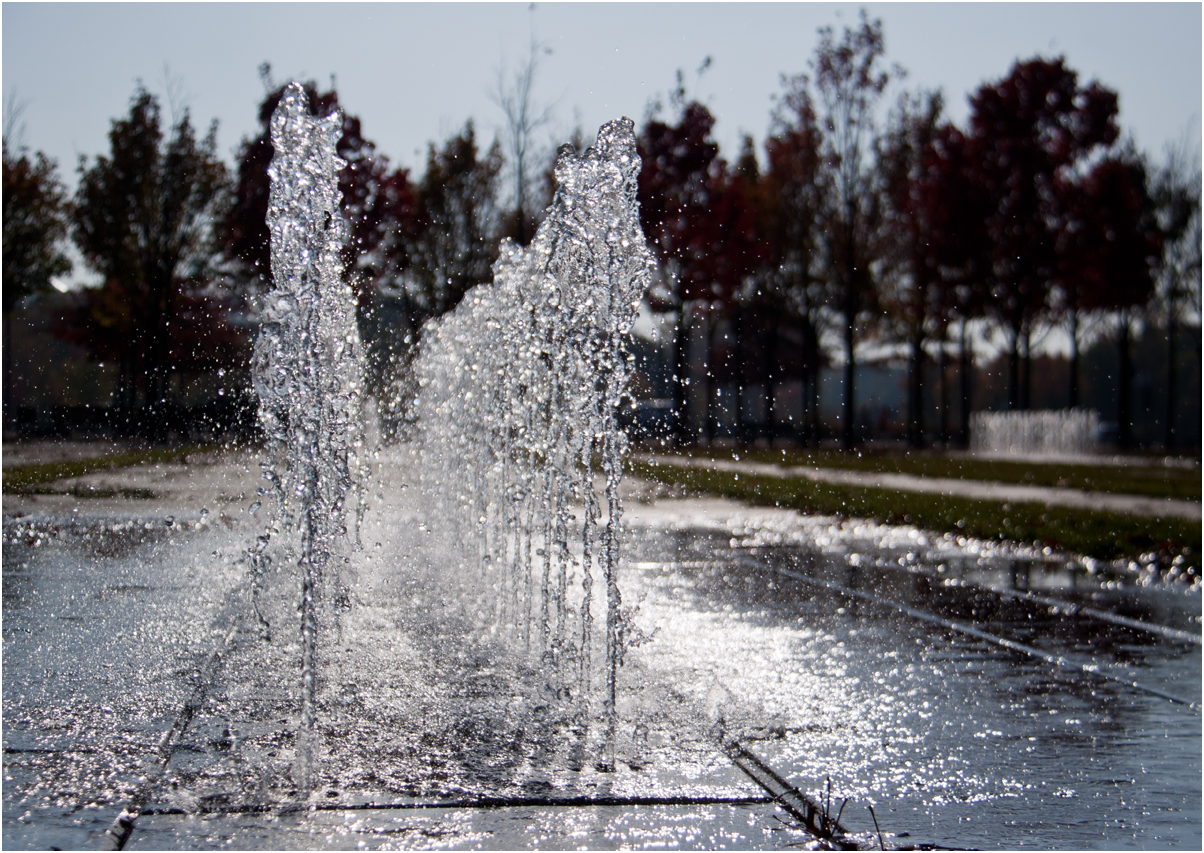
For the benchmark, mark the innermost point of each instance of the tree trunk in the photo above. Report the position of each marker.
(771, 375)
(1171, 377)
(123, 398)
(9, 372)
(1014, 370)
(850, 367)
(708, 421)
(915, 415)
(943, 388)
(1026, 389)
(1073, 390)
(738, 372)
(681, 417)
(771, 352)
(1124, 416)
(811, 420)
(848, 437)
(967, 366)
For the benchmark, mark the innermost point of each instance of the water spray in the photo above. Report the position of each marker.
(307, 370)
(520, 389)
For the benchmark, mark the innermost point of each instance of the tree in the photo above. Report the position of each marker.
(1029, 131)
(953, 210)
(791, 198)
(912, 287)
(1176, 192)
(35, 223)
(142, 220)
(697, 220)
(515, 98)
(850, 83)
(453, 241)
(1111, 259)
(674, 194)
(731, 230)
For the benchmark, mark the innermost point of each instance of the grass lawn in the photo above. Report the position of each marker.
(32, 479)
(1153, 480)
(1101, 535)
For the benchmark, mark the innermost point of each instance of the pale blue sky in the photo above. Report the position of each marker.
(415, 72)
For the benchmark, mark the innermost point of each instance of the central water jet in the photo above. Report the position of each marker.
(307, 370)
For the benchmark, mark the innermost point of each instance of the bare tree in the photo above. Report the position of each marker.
(851, 81)
(14, 121)
(524, 116)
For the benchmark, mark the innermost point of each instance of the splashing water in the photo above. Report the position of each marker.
(1064, 433)
(307, 370)
(519, 389)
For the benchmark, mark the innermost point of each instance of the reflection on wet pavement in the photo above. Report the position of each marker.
(952, 739)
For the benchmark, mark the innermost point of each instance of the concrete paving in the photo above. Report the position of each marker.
(977, 489)
(110, 619)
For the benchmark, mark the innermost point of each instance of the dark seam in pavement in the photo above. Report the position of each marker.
(1071, 609)
(476, 803)
(118, 834)
(1067, 607)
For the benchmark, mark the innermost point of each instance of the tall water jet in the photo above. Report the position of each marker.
(307, 370)
(519, 391)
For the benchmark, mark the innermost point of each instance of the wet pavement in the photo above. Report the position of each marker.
(823, 646)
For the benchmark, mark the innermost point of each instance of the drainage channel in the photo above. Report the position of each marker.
(970, 630)
(818, 821)
(812, 817)
(482, 803)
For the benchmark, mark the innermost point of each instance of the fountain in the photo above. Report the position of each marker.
(453, 689)
(1060, 434)
(307, 370)
(519, 392)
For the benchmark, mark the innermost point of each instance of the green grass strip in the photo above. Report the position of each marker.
(1090, 533)
(27, 479)
(1154, 480)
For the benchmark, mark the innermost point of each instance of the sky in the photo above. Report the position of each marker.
(414, 73)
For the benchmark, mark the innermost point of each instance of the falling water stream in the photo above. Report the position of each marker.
(519, 392)
(1057, 434)
(307, 370)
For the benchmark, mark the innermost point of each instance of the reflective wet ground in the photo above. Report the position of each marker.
(831, 650)
(953, 739)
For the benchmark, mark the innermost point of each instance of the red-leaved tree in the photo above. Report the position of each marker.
(698, 220)
(1029, 131)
